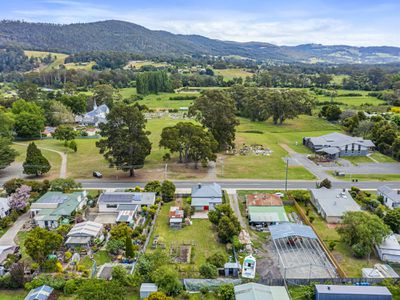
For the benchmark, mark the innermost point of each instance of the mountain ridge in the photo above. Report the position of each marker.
(122, 36)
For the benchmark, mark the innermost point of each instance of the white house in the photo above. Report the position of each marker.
(4, 207)
(389, 249)
(206, 196)
(332, 204)
(391, 197)
(83, 233)
(94, 117)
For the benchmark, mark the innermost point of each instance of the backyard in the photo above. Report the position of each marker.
(200, 235)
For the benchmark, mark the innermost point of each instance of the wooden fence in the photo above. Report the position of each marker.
(333, 260)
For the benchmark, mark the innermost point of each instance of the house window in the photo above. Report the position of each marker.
(352, 148)
(346, 148)
(359, 148)
(111, 205)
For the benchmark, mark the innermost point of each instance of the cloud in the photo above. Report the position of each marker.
(289, 26)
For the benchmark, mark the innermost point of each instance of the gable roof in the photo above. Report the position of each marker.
(208, 190)
(89, 228)
(334, 202)
(40, 293)
(255, 291)
(128, 198)
(390, 193)
(336, 139)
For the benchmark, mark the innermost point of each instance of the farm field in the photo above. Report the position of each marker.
(162, 100)
(229, 74)
(140, 63)
(80, 66)
(352, 101)
(200, 234)
(59, 58)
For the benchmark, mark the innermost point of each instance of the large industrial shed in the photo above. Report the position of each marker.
(300, 253)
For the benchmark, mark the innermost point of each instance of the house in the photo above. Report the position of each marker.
(43, 292)
(94, 117)
(48, 131)
(206, 196)
(335, 145)
(354, 292)
(4, 207)
(256, 291)
(118, 201)
(332, 204)
(82, 234)
(391, 197)
(379, 271)
(389, 249)
(91, 131)
(55, 207)
(265, 209)
(176, 216)
(146, 289)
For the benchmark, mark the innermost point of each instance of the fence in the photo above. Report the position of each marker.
(333, 260)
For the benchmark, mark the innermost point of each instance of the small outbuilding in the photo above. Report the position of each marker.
(256, 291)
(389, 249)
(354, 292)
(232, 269)
(83, 233)
(176, 216)
(391, 197)
(43, 292)
(146, 289)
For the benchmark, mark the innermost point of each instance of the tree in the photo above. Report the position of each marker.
(218, 259)
(362, 231)
(152, 82)
(73, 146)
(19, 199)
(64, 185)
(99, 289)
(40, 242)
(191, 141)
(392, 219)
(105, 94)
(331, 112)
(120, 232)
(6, 125)
(64, 133)
(35, 163)
(158, 296)
(76, 103)
(364, 128)
(29, 118)
(167, 280)
(126, 143)
(153, 186)
(215, 110)
(226, 292)
(58, 114)
(168, 190)
(113, 246)
(227, 229)
(208, 271)
(129, 252)
(326, 183)
(7, 154)
(119, 274)
(28, 91)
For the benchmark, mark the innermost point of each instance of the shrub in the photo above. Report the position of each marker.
(218, 259)
(208, 270)
(55, 281)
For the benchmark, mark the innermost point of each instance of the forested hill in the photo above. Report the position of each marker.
(129, 37)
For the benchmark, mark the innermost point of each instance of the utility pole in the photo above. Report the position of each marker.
(287, 169)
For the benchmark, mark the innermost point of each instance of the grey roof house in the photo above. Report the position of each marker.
(354, 292)
(389, 249)
(391, 197)
(94, 117)
(43, 292)
(256, 291)
(332, 204)
(336, 144)
(83, 233)
(206, 196)
(119, 201)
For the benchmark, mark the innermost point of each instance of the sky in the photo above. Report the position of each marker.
(280, 22)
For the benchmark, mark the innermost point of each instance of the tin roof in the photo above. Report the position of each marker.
(291, 229)
(352, 290)
(255, 291)
(263, 200)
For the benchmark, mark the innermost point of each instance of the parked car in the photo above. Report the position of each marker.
(97, 174)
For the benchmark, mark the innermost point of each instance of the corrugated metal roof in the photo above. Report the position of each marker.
(40, 293)
(352, 290)
(77, 240)
(255, 291)
(207, 190)
(128, 198)
(148, 287)
(291, 229)
(267, 214)
(390, 193)
(89, 228)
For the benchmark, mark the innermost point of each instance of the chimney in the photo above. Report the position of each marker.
(199, 185)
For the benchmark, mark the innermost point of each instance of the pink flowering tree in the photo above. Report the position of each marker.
(19, 199)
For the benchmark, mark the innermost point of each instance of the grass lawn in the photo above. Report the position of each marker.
(21, 236)
(370, 177)
(352, 266)
(101, 257)
(127, 92)
(352, 101)
(355, 160)
(13, 294)
(80, 65)
(232, 73)
(53, 158)
(200, 233)
(382, 157)
(162, 100)
(271, 136)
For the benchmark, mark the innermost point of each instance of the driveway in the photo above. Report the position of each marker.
(9, 237)
(234, 202)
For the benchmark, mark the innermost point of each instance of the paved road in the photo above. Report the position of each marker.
(242, 184)
(63, 167)
(9, 237)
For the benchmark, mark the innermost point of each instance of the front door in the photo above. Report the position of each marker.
(205, 207)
